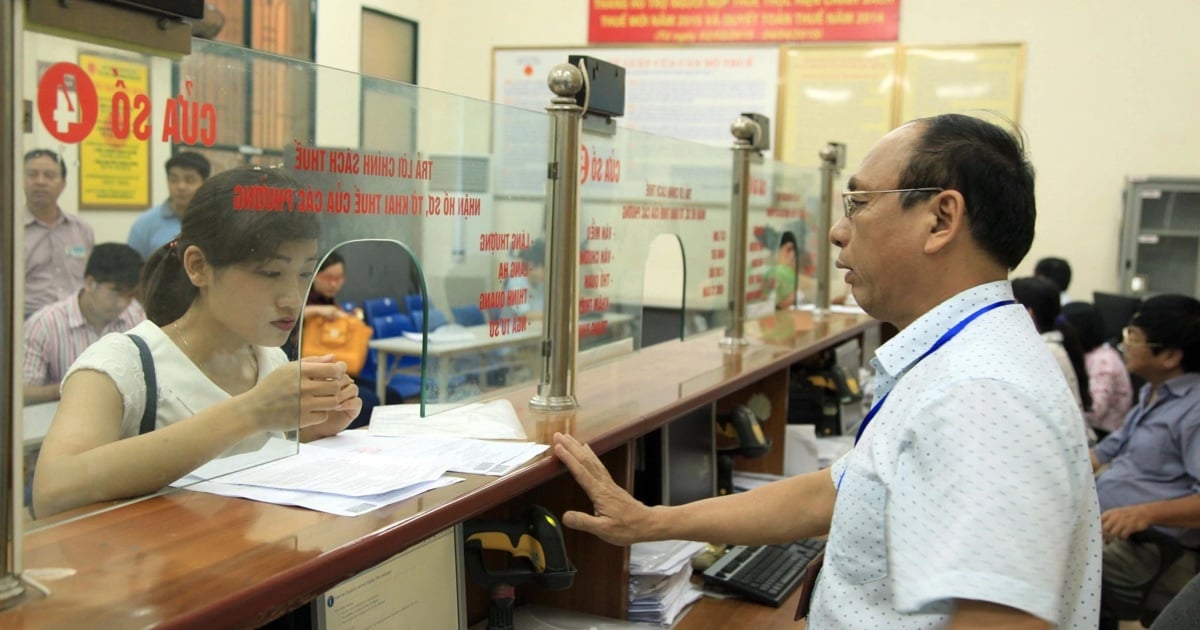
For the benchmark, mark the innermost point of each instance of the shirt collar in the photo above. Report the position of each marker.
(75, 318)
(1176, 387)
(167, 212)
(901, 351)
(30, 218)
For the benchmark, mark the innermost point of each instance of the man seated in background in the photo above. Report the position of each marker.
(160, 224)
(60, 332)
(1153, 478)
(1055, 270)
(57, 244)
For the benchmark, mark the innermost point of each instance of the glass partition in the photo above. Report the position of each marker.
(635, 188)
(783, 237)
(280, 231)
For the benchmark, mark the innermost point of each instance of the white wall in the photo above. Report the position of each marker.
(1110, 89)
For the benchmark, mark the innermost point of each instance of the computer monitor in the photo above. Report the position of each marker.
(1115, 311)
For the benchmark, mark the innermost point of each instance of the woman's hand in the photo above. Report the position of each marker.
(349, 406)
(302, 394)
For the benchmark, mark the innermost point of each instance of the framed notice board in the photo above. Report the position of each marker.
(856, 93)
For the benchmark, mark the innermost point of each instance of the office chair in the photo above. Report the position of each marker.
(468, 315)
(404, 386)
(436, 319)
(414, 303)
(378, 307)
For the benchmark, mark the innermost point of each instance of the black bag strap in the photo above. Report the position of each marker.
(150, 413)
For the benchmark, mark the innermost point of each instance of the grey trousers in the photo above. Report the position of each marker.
(1128, 569)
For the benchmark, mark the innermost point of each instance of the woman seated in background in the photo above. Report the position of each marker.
(1040, 297)
(220, 300)
(1108, 378)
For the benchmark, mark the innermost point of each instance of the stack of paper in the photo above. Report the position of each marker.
(353, 473)
(659, 580)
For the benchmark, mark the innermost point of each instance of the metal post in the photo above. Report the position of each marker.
(744, 131)
(11, 589)
(556, 389)
(833, 158)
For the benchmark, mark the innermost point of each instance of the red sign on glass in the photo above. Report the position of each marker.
(742, 21)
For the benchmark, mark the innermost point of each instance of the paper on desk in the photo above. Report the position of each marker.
(661, 557)
(326, 470)
(456, 454)
(444, 334)
(493, 420)
(330, 503)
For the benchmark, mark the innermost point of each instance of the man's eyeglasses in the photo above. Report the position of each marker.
(1127, 341)
(852, 205)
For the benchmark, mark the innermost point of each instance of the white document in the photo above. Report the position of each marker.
(493, 420)
(321, 502)
(444, 334)
(456, 454)
(316, 469)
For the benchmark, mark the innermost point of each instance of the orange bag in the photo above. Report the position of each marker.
(344, 337)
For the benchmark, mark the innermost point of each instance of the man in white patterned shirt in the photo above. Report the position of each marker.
(968, 499)
(59, 332)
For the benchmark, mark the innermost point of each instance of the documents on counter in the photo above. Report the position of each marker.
(492, 420)
(354, 472)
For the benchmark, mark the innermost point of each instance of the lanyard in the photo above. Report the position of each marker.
(947, 336)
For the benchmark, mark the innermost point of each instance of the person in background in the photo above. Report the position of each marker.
(322, 297)
(968, 499)
(782, 277)
(322, 302)
(220, 300)
(1153, 476)
(158, 225)
(1058, 271)
(57, 334)
(1108, 379)
(57, 244)
(1040, 298)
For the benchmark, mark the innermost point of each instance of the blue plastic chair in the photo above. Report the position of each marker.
(436, 319)
(414, 303)
(378, 307)
(349, 306)
(468, 315)
(406, 386)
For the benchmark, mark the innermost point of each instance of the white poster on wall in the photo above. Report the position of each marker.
(686, 93)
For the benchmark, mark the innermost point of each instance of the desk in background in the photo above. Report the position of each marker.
(194, 560)
(474, 351)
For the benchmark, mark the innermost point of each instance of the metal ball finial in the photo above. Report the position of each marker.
(744, 128)
(828, 153)
(565, 80)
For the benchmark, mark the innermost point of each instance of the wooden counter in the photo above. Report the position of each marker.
(195, 560)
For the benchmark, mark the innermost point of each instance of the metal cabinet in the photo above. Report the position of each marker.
(1160, 236)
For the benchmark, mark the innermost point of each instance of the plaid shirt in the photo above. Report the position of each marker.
(57, 334)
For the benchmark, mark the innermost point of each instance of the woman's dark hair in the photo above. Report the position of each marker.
(1172, 321)
(1087, 322)
(988, 165)
(254, 231)
(1042, 297)
(332, 259)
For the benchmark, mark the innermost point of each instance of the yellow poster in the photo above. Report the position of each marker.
(114, 159)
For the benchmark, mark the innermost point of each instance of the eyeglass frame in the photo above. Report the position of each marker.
(851, 211)
(1126, 342)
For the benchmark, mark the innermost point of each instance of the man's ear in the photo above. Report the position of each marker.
(196, 266)
(90, 283)
(948, 214)
(1170, 358)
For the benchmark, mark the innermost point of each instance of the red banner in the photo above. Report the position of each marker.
(741, 21)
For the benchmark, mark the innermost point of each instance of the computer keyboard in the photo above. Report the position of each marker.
(766, 573)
